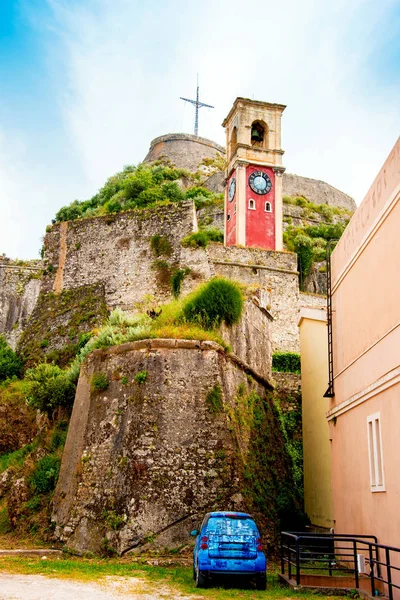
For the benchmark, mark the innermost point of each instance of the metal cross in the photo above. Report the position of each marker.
(198, 105)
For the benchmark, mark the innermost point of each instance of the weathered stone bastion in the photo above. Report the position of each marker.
(185, 150)
(19, 290)
(115, 252)
(169, 439)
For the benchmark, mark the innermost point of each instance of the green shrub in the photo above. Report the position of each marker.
(200, 239)
(196, 191)
(303, 246)
(51, 387)
(10, 363)
(217, 301)
(59, 436)
(134, 187)
(113, 520)
(99, 382)
(300, 201)
(160, 245)
(45, 475)
(141, 377)
(288, 362)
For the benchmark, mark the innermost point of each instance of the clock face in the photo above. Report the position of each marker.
(260, 183)
(232, 189)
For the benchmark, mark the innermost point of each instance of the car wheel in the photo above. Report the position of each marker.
(200, 579)
(261, 582)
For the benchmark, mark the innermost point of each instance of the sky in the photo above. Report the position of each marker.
(85, 85)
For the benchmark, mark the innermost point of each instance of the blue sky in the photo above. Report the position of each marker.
(86, 84)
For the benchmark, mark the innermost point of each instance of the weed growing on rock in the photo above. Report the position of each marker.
(141, 377)
(160, 245)
(214, 400)
(200, 239)
(177, 279)
(99, 382)
(113, 520)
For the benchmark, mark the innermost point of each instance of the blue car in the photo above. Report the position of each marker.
(228, 543)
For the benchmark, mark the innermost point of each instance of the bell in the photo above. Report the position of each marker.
(255, 134)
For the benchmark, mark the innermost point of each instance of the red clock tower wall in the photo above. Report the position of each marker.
(260, 218)
(253, 197)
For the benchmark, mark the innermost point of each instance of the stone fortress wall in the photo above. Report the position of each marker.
(19, 290)
(184, 150)
(115, 252)
(158, 455)
(187, 151)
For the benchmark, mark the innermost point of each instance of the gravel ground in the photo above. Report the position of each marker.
(37, 587)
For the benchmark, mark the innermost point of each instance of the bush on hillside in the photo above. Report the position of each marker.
(10, 363)
(45, 475)
(51, 387)
(288, 362)
(217, 301)
(134, 187)
(200, 239)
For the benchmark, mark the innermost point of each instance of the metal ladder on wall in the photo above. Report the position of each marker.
(330, 391)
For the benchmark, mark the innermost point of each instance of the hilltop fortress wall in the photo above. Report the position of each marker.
(187, 151)
(115, 252)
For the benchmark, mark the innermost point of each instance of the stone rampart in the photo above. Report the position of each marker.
(19, 289)
(184, 150)
(275, 276)
(166, 442)
(116, 252)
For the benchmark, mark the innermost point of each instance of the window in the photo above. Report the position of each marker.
(375, 453)
(228, 217)
(257, 134)
(252, 204)
(234, 208)
(233, 142)
(268, 207)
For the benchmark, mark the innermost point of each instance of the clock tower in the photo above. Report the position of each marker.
(253, 197)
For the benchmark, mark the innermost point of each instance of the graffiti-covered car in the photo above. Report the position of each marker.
(228, 543)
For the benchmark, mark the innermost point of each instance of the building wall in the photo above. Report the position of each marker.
(316, 444)
(366, 336)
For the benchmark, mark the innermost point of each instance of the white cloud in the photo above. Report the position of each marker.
(120, 66)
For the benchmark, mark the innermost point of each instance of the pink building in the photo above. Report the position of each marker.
(364, 414)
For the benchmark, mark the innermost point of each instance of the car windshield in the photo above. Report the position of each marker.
(232, 525)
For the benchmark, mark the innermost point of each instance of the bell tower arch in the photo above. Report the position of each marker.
(253, 198)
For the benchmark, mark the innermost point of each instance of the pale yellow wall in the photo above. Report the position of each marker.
(316, 444)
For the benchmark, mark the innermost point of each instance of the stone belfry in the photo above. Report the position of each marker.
(253, 196)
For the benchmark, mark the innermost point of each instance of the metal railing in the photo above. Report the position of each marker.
(338, 555)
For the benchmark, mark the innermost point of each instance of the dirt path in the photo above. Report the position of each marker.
(37, 587)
